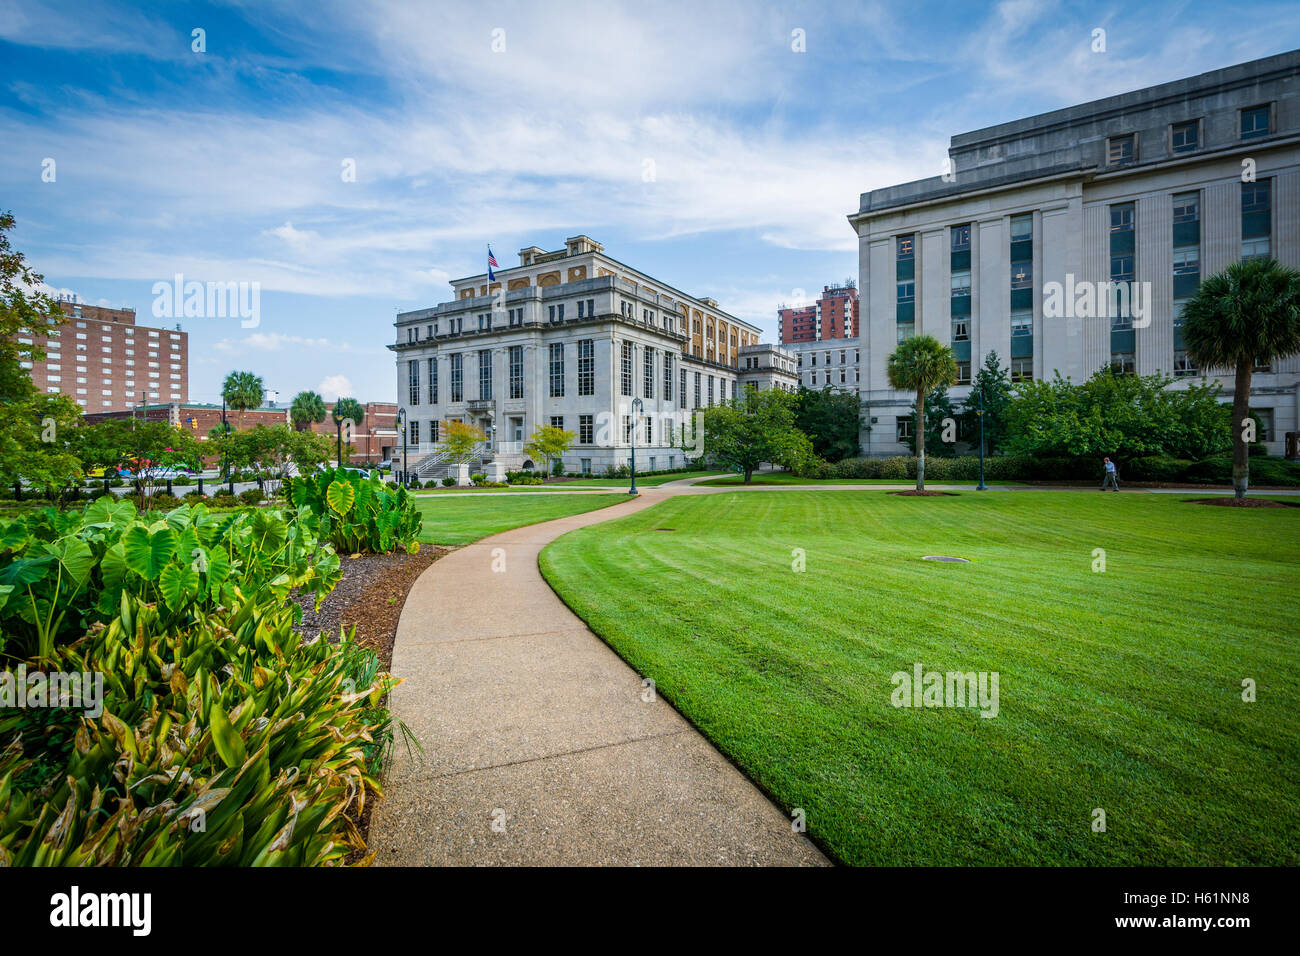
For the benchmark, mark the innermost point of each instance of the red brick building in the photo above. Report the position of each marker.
(833, 316)
(375, 438)
(103, 361)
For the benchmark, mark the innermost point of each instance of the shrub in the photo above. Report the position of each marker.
(359, 514)
(522, 478)
(228, 720)
(195, 496)
(434, 483)
(252, 496)
(478, 478)
(448, 482)
(161, 499)
(898, 468)
(223, 492)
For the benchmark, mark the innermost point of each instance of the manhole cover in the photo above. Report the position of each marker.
(944, 557)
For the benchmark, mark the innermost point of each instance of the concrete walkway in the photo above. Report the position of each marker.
(538, 746)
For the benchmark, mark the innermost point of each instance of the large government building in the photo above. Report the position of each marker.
(573, 338)
(1047, 225)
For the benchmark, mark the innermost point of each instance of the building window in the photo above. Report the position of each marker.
(1022, 369)
(586, 429)
(585, 465)
(905, 247)
(627, 429)
(668, 376)
(903, 428)
(681, 391)
(1022, 227)
(415, 432)
(1120, 362)
(586, 367)
(1254, 122)
(1187, 260)
(648, 372)
(961, 329)
(1187, 207)
(905, 331)
(413, 381)
(1265, 416)
(457, 377)
(1022, 322)
(625, 381)
(1121, 268)
(516, 371)
(710, 391)
(961, 238)
(1185, 137)
(961, 283)
(557, 421)
(1022, 274)
(1256, 219)
(963, 373)
(433, 381)
(1121, 217)
(1182, 364)
(697, 390)
(484, 374)
(1121, 149)
(557, 370)
(907, 291)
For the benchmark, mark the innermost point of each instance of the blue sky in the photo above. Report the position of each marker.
(226, 165)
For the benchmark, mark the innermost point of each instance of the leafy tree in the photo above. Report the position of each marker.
(1123, 416)
(142, 446)
(994, 383)
(33, 427)
(242, 391)
(755, 427)
(307, 409)
(460, 439)
(278, 450)
(549, 443)
(919, 364)
(831, 420)
(1245, 316)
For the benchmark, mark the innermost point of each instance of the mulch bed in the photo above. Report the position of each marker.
(924, 494)
(369, 596)
(1243, 502)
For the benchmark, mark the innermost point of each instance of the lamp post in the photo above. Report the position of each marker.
(979, 413)
(636, 413)
(401, 427)
(338, 435)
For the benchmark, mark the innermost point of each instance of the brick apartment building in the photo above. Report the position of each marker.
(102, 360)
(833, 316)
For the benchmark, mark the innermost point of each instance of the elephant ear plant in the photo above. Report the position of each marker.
(357, 514)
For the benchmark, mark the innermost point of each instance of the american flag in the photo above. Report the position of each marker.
(492, 264)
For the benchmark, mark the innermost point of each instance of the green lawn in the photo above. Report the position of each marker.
(785, 478)
(455, 521)
(652, 480)
(1119, 690)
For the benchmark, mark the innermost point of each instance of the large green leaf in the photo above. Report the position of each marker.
(26, 571)
(177, 584)
(340, 497)
(147, 554)
(77, 559)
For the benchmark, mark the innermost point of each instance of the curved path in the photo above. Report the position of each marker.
(539, 748)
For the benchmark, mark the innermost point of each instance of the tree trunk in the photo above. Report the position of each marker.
(920, 440)
(1240, 416)
(749, 473)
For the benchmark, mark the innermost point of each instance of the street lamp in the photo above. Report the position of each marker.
(401, 427)
(979, 413)
(338, 432)
(636, 414)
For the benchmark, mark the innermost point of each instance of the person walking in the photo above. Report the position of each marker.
(1109, 477)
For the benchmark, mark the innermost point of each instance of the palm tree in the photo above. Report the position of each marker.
(347, 409)
(308, 409)
(1246, 316)
(242, 391)
(921, 363)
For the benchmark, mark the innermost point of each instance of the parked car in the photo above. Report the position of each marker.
(159, 473)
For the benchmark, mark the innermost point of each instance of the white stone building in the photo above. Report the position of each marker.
(569, 338)
(833, 362)
(1149, 191)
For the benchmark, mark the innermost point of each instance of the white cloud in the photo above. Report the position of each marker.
(333, 387)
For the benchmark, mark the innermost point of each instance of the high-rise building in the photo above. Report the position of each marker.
(833, 316)
(102, 360)
(1070, 241)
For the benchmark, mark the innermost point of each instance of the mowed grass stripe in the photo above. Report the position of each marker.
(1119, 690)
